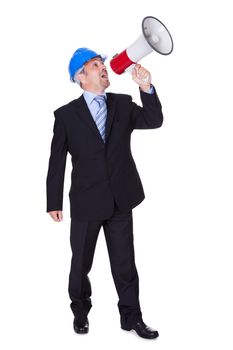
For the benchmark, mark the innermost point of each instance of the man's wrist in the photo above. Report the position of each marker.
(145, 88)
(150, 90)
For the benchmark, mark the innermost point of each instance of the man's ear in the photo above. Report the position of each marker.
(81, 77)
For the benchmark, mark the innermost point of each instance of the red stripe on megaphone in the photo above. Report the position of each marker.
(120, 62)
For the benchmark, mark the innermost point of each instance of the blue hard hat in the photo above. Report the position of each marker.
(80, 57)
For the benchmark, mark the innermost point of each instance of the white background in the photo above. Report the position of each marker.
(183, 229)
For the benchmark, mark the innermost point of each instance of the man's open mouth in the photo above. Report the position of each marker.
(104, 75)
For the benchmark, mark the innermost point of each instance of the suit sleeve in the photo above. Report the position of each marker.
(56, 167)
(150, 115)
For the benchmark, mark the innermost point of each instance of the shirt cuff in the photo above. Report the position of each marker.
(151, 90)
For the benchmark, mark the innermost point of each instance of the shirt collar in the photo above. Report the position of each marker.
(89, 96)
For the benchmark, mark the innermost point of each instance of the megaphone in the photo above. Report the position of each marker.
(155, 37)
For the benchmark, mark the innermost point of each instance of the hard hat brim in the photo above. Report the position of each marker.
(104, 57)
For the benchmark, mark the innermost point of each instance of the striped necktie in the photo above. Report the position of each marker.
(101, 115)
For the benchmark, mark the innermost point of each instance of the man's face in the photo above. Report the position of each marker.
(95, 76)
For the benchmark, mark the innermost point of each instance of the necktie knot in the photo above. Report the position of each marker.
(100, 99)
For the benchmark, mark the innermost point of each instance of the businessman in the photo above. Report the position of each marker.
(105, 185)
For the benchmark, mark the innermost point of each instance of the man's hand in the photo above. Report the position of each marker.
(56, 215)
(142, 77)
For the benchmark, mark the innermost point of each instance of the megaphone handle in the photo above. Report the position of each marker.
(130, 68)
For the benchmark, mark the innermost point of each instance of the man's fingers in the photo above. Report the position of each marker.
(60, 216)
(56, 215)
(140, 72)
(137, 65)
(140, 75)
(136, 68)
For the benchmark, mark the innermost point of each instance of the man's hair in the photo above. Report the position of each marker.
(75, 79)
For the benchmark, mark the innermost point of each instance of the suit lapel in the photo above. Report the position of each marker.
(111, 109)
(84, 113)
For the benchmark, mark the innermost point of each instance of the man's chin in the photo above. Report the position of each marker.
(106, 84)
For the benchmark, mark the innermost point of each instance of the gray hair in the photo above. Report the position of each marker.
(75, 78)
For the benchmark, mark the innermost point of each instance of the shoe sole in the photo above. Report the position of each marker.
(141, 336)
(81, 331)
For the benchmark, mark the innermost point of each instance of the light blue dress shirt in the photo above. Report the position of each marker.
(93, 104)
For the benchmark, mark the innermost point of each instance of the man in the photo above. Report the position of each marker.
(105, 185)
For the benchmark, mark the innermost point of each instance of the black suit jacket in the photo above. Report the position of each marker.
(102, 172)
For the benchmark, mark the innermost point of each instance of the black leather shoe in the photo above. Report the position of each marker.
(81, 324)
(142, 330)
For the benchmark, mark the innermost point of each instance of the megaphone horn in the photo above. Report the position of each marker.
(155, 37)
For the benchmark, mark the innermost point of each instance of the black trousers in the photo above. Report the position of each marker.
(118, 231)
